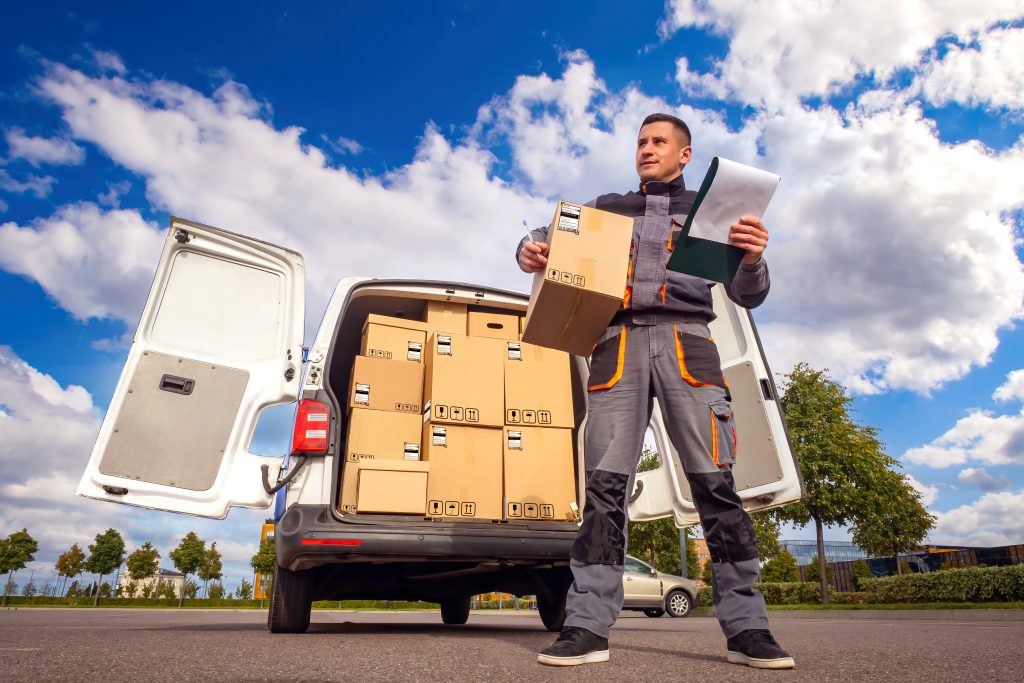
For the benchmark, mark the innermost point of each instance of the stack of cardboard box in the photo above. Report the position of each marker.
(383, 470)
(495, 437)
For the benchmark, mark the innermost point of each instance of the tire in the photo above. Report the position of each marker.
(678, 603)
(552, 610)
(455, 611)
(291, 600)
(654, 613)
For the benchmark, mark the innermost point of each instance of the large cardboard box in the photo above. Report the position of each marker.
(496, 325)
(445, 317)
(465, 471)
(574, 299)
(540, 480)
(393, 338)
(465, 380)
(381, 384)
(384, 486)
(383, 435)
(538, 386)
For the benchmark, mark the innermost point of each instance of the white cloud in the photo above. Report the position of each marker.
(38, 151)
(94, 263)
(929, 493)
(979, 437)
(109, 62)
(1012, 388)
(112, 197)
(791, 48)
(346, 145)
(40, 186)
(977, 476)
(994, 519)
(989, 74)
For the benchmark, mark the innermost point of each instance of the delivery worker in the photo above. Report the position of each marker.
(658, 345)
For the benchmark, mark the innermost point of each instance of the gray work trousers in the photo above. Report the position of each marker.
(679, 365)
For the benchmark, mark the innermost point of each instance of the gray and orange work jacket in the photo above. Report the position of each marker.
(655, 294)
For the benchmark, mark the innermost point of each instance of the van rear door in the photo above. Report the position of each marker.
(220, 339)
(766, 470)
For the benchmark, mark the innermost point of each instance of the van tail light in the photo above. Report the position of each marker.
(312, 421)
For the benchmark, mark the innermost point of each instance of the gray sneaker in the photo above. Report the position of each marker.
(575, 646)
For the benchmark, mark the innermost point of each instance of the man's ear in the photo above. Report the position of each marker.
(684, 155)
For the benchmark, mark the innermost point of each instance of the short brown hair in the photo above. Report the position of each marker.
(676, 122)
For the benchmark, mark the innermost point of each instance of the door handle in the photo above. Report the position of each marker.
(177, 385)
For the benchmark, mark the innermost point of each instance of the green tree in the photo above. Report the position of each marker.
(29, 589)
(707, 573)
(71, 563)
(265, 558)
(188, 557)
(766, 528)
(143, 562)
(191, 589)
(894, 519)
(838, 457)
(781, 568)
(692, 561)
(16, 551)
(105, 555)
(211, 568)
(131, 589)
(244, 590)
(216, 591)
(859, 571)
(166, 591)
(655, 542)
(830, 572)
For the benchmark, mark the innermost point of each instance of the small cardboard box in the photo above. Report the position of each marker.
(465, 471)
(384, 486)
(395, 486)
(445, 317)
(393, 338)
(383, 435)
(540, 480)
(574, 299)
(465, 380)
(495, 325)
(538, 387)
(381, 384)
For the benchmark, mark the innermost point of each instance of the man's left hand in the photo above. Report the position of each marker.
(750, 235)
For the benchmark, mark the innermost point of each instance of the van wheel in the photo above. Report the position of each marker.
(654, 613)
(552, 610)
(455, 611)
(677, 604)
(291, 599)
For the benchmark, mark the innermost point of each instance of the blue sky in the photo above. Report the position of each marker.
(896, 232)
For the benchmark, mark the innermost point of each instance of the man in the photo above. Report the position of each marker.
(658, 345)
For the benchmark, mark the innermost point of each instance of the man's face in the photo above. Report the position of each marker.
(660, 153)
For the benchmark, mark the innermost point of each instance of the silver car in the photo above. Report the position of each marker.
(655, 593)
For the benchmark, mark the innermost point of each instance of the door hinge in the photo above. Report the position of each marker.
(181, 236)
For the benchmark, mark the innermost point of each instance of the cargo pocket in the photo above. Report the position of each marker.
(699, 363)
(723, 433)
(607, 361)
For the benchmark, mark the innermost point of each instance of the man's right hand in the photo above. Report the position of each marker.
(533, 257)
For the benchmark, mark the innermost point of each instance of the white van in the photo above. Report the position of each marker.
(220, 340)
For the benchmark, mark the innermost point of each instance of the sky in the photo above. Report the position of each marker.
(342, 130)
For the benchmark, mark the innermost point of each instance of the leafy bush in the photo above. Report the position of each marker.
(791, 593)
(704, 598)
(970, 584)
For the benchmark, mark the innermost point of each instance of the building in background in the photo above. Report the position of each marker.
(835, 551)
(703, 556)
(162, 577)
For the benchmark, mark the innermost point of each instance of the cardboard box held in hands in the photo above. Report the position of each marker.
(574, 299)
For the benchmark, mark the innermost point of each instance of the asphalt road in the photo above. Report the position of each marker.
(217, 645)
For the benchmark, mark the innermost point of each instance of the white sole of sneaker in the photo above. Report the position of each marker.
(781, 663)
(589, 658)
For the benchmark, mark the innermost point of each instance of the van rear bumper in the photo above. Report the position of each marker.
(309, 536)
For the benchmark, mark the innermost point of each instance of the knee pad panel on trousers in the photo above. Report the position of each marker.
(727, 527)
(602, 537)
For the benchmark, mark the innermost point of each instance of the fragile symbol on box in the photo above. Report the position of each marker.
(515, 509)
(441, 412)
(407, 408)
(513, 416)
(567, 278)
(378, 353)
(547, 511)
(435, 507)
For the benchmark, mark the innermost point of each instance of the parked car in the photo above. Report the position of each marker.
(221, 339)
(655, 593)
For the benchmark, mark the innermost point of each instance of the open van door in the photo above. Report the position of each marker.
(766, 471)
(220, 339)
